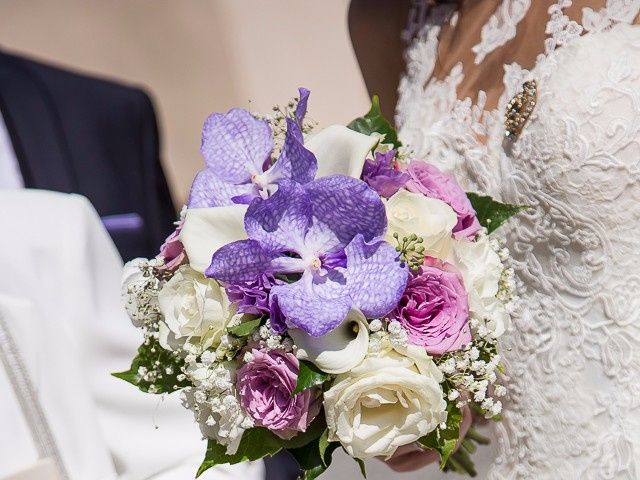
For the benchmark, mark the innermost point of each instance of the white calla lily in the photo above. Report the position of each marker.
(339, 350)
(205, 230)
(340, 150)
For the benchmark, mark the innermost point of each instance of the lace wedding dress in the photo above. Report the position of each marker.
(573, 356)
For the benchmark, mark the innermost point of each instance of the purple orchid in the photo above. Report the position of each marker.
(237, 149)
(380, 174)
(329, 233)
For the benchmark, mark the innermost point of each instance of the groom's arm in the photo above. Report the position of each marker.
(376, 27)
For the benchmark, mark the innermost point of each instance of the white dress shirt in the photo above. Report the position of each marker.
(10, 176)
(60, 306)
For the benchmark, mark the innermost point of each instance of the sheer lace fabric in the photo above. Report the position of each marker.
(573, 357)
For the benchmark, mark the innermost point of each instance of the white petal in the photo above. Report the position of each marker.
(205, 230)
(339, 350)
(340, 151)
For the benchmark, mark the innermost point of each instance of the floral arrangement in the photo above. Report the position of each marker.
(323, 290)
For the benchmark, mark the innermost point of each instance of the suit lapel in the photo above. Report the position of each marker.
(34, 128)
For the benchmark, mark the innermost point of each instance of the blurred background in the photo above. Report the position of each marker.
(198, 56)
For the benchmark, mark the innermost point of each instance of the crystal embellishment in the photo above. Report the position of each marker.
(520, 108)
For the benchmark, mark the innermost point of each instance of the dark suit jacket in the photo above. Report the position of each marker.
(74, 133)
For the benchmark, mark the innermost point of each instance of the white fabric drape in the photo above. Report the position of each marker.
(59, 296)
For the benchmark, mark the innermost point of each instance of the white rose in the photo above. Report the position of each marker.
(429, 218)
(195, 309)
(339, 350)
(138, 292)
(389, 400)
(481, 268)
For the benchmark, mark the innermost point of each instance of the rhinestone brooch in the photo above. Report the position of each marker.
(519, 109)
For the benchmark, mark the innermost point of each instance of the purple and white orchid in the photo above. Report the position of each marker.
(329, 231)
(237, 149)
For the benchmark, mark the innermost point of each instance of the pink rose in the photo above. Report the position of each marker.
(434, 309)
(265, 384)
(431, 182)
(172, 251)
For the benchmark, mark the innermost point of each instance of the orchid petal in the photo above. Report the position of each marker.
(280, 222)
(339, 350)
(236, 145)
(295, 161)
(240, 261)
(348, 206)
(340, 150)
(376, 277)
(301, 108)
(304, 307)
(208, 190)
(205, 230)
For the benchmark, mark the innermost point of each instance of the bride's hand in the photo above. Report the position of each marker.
(414, 457)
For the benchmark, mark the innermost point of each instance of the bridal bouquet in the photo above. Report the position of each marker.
(324, 290)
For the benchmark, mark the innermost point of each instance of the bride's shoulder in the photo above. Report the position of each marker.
(375, 27)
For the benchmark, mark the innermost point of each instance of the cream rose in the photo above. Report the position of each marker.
(389, 400)
(481, 268)
(429, 218)
(195, 309)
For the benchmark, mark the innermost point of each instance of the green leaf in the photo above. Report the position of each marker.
(444, 441)
(260, 442)
(313, 432)
(363, 468)
(246, 328)
(491, 214)
(309, 376)
(255, 444)
(315, 457)
(374, 122)
(162, 368)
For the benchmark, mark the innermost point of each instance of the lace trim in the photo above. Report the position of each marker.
(615, 11)
(575, 251)
(501, 28)
(561, 28)
(28, 399)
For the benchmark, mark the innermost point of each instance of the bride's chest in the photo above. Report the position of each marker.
(577, 146)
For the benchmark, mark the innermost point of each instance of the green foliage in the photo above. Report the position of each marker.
(444, 441)
(315, 457)
(259, 442)
(154, 369)
(363, 469)
(313, 432)
(491, 214)
(246, 328)
(309, 376)
(255, 444)
(374, 122)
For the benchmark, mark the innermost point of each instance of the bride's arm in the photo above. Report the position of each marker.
(375, 27)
